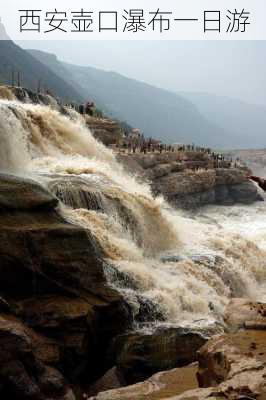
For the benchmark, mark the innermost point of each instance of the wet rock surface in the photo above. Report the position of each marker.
(139, 355)
(17, 193)
(159, 386)
(57, 312)
(230, 366)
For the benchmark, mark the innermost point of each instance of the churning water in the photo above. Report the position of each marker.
(170, 266)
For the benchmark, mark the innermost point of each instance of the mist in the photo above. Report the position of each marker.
(225, 68)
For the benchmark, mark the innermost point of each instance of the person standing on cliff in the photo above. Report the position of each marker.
(81, 109)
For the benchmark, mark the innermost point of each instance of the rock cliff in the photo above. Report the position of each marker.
(57, 312)
(105, 130)
(65, 330)
(191, 186)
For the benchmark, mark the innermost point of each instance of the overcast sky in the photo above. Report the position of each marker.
(230, 68)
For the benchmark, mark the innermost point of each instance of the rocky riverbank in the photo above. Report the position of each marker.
(230, 366)
(193, 183)
(62, 327)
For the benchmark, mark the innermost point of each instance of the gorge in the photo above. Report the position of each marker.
(95, 267)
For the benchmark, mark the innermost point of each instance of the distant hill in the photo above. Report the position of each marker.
(157, 112)
(203, 119)
(13, 57)
(245, 122)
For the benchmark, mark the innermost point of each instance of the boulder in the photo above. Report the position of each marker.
(139, 355)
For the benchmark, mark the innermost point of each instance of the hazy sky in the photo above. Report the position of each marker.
(230, 68)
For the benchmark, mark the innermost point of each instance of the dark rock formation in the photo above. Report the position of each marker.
(57, 312)
(139, 355)
(27, 357)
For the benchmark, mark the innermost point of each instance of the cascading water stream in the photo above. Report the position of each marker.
(148, 247)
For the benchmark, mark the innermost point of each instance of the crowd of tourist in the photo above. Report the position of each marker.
(134, 142)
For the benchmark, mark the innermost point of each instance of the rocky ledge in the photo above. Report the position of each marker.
(105, 130)
(57, 312)
(191, 186)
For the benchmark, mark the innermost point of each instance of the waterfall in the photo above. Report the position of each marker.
(6, 93)
(170, 267)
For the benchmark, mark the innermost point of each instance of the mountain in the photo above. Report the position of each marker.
(157, 112)
(245, 122)
(204, 119)
(14, 58)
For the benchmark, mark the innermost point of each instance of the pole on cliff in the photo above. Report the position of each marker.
(19, 81)
(39, 86)
(13, 77)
